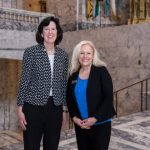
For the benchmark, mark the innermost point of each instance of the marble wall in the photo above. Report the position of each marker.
(125, 49)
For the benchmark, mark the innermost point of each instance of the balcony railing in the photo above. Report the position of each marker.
(22, 17)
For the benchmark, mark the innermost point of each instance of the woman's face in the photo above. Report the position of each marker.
(86, 55)
(50, 33)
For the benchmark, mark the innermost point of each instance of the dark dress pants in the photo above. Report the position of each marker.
(43, 122)
(96, 138)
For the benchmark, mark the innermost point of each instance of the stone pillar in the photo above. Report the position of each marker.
(148, 10)
(142, 10)
(135, 14)
(130, 12)
(139, 11)
(2, 94)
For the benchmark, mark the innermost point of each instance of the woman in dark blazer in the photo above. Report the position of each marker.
(42, 89)
(90, 98)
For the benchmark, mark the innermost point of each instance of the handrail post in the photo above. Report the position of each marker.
(146, 94)
(116, 97)
(141, 96)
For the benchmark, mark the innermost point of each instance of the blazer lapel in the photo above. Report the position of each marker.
(74, 79)
(89, 85)
(55, 67)
(89, 81)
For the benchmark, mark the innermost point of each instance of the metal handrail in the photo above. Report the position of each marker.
(141, 83)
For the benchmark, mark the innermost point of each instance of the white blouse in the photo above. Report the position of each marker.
(51, 60)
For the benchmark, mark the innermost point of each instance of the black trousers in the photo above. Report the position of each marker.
(96, 138)
(43, 122)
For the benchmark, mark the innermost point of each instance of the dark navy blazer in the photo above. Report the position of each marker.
(99, 94)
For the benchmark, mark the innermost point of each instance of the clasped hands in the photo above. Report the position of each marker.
(86, 123)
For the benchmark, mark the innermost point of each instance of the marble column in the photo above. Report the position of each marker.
(148, 10)
(142, 10)
(131, 10)
(135, 10)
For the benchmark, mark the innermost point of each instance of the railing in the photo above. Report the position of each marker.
(17, 15)
(142, 92)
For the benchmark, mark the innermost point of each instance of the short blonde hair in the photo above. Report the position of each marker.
(75, 65)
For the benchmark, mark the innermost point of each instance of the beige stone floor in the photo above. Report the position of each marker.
(128, 133)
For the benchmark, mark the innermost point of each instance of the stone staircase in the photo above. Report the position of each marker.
(128, 133)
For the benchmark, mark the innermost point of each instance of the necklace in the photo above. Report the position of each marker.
(50, 52)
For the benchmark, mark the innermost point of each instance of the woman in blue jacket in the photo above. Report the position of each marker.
(90, 98)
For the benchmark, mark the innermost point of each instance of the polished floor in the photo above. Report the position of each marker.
(128, 133)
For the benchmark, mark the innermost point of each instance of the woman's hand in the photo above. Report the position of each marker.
(21, 117)
(89, 122)
(78, 121)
